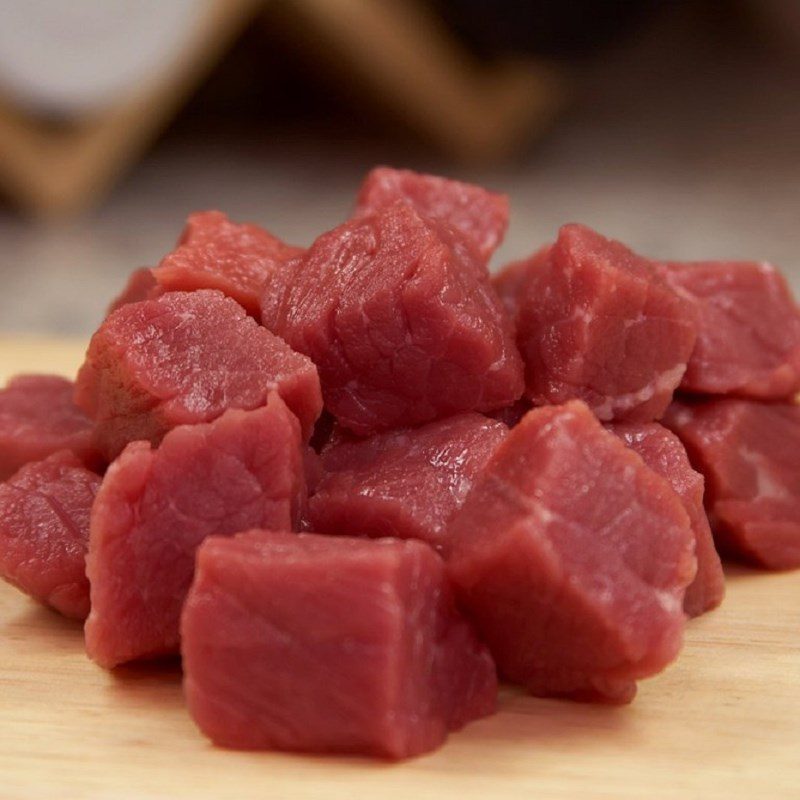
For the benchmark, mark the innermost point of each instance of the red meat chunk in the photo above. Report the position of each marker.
(154, 508)
(184, 358)
(598, 324)
(402, 329)
(511, 280)
(663, 452)
(44, 531)
(141, 285)
(37, 418)
(479, 215)
(405, 483)
(748, 453)
(215, 253)
(329, 644)
(748, 340)
(572, 557)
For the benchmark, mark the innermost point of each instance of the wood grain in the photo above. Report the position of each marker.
(723, 722)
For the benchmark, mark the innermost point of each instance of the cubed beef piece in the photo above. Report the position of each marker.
(329, 644)
(572, 557)
(663, 452)
(511, 280)
(406, 483)
(597, 323)
(38, 417)
(479, 215)
(402, 329)
(748, 338)
(748, 453)
(154, 508)
(141, 285)
(215, 253)
(44, 531)
(184, 358)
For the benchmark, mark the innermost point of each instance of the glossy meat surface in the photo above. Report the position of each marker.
(663, 452)
(329, 644)
(155, 507)
(184, 358)
(405, 483)
(748, 341)
(479, 215)
(38, 417)
(44, 531)
(748, 453)
(216, 253)
(597, 323)
(572, 557)
(141, 285)
(401, 325)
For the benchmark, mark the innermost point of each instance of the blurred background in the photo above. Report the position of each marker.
(674, 126)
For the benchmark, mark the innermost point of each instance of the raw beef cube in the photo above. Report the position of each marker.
(510, 281)
(748, 453)
(44, 531)
(154, 508)
(598, 324)
(215, 253)
(748, 338)
(406, 483)
(402, 329)
(37, 418)
(572, 557)
(184, 358)
(141, 285)
(663, 452)
(329, 644)
(479, 215)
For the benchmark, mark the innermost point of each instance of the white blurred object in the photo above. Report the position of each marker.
(71, 56)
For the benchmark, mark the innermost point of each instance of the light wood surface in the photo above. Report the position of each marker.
(723, 722)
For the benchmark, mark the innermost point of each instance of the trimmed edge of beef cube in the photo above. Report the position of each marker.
(404, 708)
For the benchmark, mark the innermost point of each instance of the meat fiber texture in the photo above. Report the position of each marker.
(402, 326)
(405, 483)
(155, 507)
(38, 418)
(510, 282)
(184, 358)
(215, 253)
(572, 557)
(748, 453)
(44, 531)
(748, 340)
(329, 644)
(141, 285)
(663, 452)
(597, 323)
(479, 215)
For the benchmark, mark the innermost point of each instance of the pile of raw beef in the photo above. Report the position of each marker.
(509, 475)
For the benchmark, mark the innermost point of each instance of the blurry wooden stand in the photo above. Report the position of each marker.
(396, 51)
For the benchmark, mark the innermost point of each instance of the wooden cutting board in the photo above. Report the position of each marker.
(723, 722)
